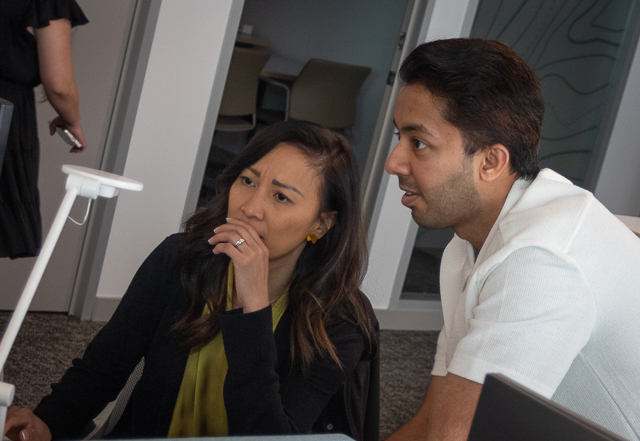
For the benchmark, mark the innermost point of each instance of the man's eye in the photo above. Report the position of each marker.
(419, 145)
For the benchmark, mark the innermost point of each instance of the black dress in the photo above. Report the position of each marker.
(20, 224)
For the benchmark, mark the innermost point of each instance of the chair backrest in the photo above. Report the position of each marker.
(104, 423)
(325, 93)
(241, 88)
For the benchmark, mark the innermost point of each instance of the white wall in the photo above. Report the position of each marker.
(183, 82)
(618, 187)
(361, 32)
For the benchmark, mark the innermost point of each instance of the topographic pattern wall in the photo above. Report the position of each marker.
(578, 49)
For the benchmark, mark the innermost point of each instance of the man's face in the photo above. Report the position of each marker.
(429, 160)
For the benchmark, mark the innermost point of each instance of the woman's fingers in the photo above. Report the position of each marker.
(241, 242)
(23, 425)
(245, 227)
(231, 237)
(242, 229)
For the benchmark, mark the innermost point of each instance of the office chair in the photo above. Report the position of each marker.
(241, 90)
(105, 422)
(325, 93)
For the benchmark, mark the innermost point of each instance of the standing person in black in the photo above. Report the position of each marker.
(26, 60)
(251, 322)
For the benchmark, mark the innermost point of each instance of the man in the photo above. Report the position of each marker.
(540, 283)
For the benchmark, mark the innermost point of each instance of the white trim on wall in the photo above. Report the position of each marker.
(187, 66)
(392, 239)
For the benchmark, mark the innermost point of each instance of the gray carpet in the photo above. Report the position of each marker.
(48, 342)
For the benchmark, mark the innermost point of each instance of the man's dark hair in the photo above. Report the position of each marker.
(491, 95)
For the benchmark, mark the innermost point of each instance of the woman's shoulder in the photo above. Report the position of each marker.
(166, 254)
(353, 316)
(172, 242)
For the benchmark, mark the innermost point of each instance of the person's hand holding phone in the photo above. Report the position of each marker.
(75, 130)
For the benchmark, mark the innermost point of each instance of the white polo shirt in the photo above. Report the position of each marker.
(552, 301)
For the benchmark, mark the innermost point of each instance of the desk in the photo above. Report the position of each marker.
(281, 68)
(327, 437)
(632, 222)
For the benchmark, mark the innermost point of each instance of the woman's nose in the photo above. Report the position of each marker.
(254, 206)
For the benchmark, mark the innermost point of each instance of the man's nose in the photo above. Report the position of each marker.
(396, 163)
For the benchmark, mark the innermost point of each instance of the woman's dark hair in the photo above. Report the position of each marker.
(491, 95)
(328, 273)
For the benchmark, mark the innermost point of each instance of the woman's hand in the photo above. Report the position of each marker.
(58, 81)
(250, 261)
(75, 129)
(23, 425)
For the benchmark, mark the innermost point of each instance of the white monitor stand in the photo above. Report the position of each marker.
(81, 181)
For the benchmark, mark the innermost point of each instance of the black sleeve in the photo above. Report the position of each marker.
(43, 11)
(98, 377)
(257, 400)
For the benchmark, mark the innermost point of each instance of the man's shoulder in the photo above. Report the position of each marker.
(549, 212)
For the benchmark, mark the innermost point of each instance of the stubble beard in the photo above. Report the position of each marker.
(451, 203)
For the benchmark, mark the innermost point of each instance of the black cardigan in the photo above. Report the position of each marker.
(262, 394)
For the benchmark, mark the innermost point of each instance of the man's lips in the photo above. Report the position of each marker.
(409, 197)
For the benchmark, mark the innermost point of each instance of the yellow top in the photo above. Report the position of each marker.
(200, 407)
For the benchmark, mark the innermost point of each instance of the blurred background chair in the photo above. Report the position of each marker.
(238, 105)
(324, 92)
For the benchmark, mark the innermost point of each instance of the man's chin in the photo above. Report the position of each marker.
(426, 222)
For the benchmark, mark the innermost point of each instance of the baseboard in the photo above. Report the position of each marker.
(103, 308)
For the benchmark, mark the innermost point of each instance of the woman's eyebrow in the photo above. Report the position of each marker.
(254, 171)
(289, 187)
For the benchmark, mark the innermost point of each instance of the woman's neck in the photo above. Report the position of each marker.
(280, 275)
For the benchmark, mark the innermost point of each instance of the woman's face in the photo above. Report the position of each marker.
(279, 196)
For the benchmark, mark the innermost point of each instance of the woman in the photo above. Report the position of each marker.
(26, 60)
(265, 281)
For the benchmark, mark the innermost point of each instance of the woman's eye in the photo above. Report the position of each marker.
(246, 180)
(419, 145)
(281, 198)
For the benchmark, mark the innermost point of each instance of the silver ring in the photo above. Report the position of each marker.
(239, 242)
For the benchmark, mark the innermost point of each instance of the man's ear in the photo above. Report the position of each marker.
(327, 220)
(494, 162)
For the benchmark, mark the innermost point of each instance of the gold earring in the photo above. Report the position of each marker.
(312, 238)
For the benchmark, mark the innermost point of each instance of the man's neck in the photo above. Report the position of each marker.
(476, 230)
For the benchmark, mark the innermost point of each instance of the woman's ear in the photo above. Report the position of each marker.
(327, 220)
